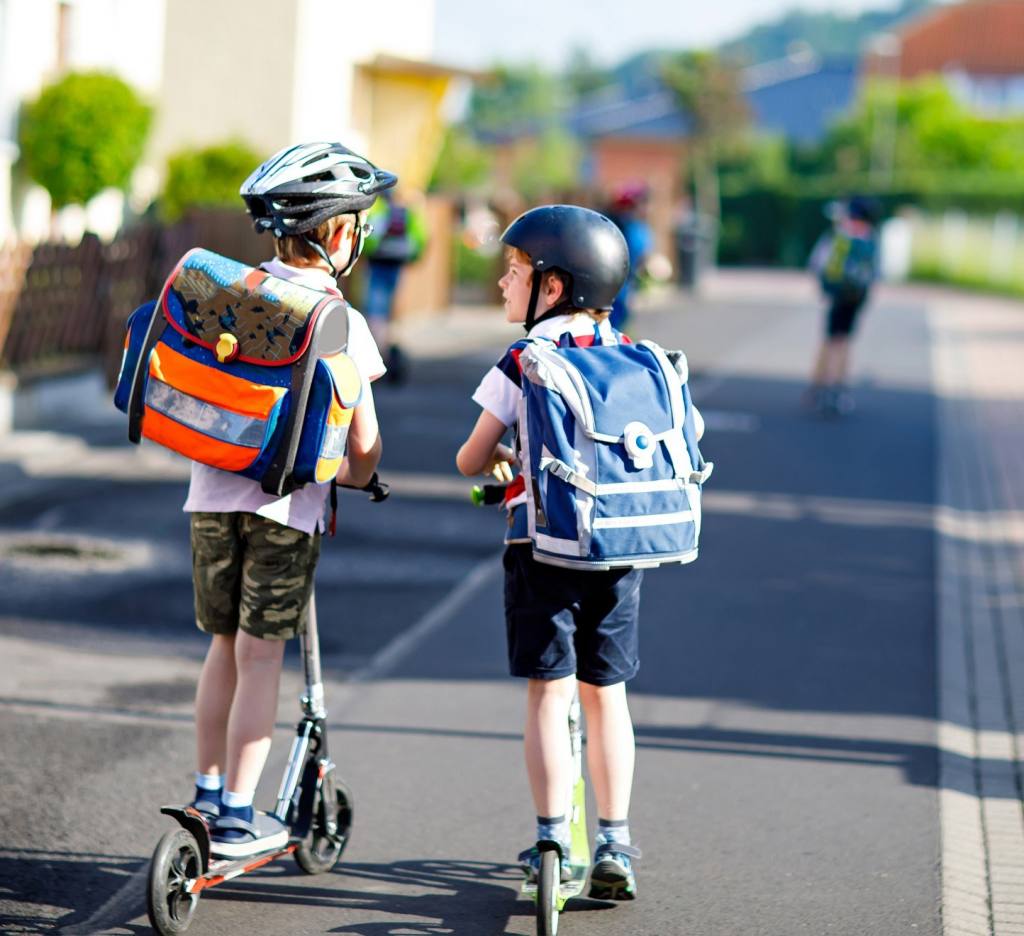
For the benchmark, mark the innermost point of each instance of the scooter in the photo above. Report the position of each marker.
(312, 801)
(548, 891)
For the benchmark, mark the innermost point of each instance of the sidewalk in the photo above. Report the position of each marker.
(980, 603)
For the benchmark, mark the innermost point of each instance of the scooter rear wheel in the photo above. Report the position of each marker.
(548, 883)
(176, 861)
(329, 832)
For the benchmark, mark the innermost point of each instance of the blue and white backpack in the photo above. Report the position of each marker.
(609, 451)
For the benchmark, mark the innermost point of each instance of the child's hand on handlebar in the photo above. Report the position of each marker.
(500, 464)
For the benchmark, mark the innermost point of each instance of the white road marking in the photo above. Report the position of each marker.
(405, 643)
(122, 906)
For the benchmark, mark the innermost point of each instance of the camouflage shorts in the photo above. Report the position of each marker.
(251, 573)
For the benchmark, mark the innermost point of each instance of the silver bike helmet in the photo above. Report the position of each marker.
(302, 186)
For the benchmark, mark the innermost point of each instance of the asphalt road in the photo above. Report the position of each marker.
(784, 708)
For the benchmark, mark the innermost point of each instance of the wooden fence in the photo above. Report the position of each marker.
(60, 304)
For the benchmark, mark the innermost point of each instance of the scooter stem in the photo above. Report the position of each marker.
(313, 700)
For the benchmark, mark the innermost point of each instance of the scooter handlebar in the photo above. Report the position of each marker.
(487, 494)
(377, 489)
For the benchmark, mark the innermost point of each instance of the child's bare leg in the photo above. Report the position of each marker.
(213, 704)
(253, 711)
(546, 740)
(610, 747)
(819, 376)
(840, 360)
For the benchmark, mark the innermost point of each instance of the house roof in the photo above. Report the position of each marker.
(652, 115)
(799, 98)
(982, 37)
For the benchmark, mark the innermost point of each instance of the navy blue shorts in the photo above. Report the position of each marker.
(565, 621)
(842, 314)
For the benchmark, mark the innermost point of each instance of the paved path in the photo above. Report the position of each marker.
(794, 695)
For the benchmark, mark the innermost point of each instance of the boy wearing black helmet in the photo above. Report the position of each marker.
(566, 628)
(254, 554)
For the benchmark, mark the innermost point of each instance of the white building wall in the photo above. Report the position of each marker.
(331, 41)
(29, 59)
(228, 72)
(123, 36)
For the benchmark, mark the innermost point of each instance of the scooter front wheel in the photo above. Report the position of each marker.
(548, 883)
(176, 861)
(329, 831)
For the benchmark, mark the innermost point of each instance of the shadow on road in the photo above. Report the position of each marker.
(473, 898)
(48, 891)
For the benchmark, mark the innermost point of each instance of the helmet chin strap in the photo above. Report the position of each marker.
(324, 255)
(559, 308)
(357, 249)
(531, 309)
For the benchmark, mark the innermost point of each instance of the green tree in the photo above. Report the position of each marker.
(582, 75)
(927, 133)
(827, 33)
(208, 177)
(83, 134)
(547, 164)
(708, 89)
(514, 98)
(463, 163)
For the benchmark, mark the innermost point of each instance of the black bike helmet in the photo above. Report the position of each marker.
(583, 243)
(302, 186)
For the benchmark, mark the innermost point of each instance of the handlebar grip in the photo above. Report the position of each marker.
(377, 489)
(487, 494)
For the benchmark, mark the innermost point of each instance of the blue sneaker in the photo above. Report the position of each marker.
(208, 803)
(612, 877)
(243, 832)
(529, 862)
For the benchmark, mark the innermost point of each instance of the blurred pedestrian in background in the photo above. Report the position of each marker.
(399, 237)
(845, 260)
(629, 212)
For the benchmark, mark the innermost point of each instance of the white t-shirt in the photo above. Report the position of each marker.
(215, 491)
(502, 386)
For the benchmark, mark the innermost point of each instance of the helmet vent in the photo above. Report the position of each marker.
(360, 173)
(316, 158)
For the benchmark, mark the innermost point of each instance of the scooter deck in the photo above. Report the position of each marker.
(224, 869)
(579, 855)
(567, 890)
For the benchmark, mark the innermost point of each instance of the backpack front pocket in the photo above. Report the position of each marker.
(221, 420)
(336, 392)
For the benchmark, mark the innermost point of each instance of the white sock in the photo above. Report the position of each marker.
(234, 800)
(209, 781)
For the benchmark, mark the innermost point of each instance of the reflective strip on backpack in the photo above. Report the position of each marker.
(644, 520)
(221, 424)
(334, 442)
(560, 469)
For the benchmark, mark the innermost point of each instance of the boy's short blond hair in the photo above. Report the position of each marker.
(521, 256)
(293, 247)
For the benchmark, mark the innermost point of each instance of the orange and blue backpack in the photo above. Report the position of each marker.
(243, 371)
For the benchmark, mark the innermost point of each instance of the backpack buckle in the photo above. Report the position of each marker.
(640, 444)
